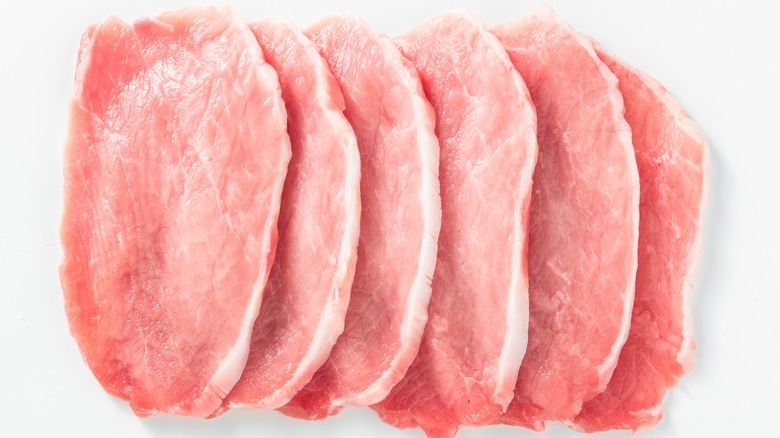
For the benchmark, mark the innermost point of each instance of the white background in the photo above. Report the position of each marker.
(720, 59)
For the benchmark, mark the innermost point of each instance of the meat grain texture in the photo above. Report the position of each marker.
(553, 271)
(399, 224)
(673, 160)
(174, 164)
(475, 339)
(306, 298)
(584, 222)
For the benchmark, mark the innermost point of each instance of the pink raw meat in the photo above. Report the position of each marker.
(475, 339)
(399, 225)
(174, 166)
(584, 222)
(673, 161)
(306, 298)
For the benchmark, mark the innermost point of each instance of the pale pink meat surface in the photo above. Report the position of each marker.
(476, 335)
(399, 225)
(673, 160)
(584, 221)
(306, 298)
(174, 165)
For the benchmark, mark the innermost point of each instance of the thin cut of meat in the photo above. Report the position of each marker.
(399, 225)
(476, 336)
(174, 165)
(673, 161)
(584, 221)
(306, 298)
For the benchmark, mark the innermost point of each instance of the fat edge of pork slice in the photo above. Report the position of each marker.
(673, 160)
(169, 220)
(584, 222)
(306, 298)
(399, 226)
(474, 342)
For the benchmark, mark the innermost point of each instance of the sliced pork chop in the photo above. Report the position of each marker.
(584, 221)
(306, 298)
(399, 225)
(174, 165)
(673, 161)
(475, 339)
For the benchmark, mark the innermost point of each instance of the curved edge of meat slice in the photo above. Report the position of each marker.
(416, 307)
(517, 316)
(673, 159)
(458, 377)
(531, 407)
(125, 241)
(381, 303)
(307, 294)
(232, 367)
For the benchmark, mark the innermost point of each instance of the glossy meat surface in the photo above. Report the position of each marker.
(475, 339)
(174, 165)
(673, 160)
(306, 298)
(399, 224)
(584, 221)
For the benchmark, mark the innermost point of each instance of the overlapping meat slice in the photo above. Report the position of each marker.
(673, 160)
(584, 221)
(174, 165)
(476, 335)
(399, 225)
(306, 298)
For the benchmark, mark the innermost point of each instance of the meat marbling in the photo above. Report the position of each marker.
(308, 289)
(673, 160)
(399, 224)
(475, 339)
(584, 221)
(174, 164)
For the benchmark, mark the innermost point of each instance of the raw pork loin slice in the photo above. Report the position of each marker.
(584, 222)
(475, 339)
(306, 298)
(673, 161)
(399, 226)
(174, 166)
